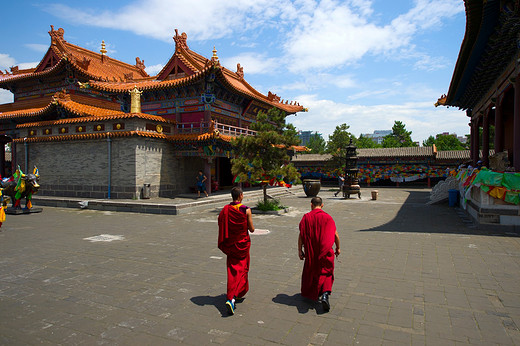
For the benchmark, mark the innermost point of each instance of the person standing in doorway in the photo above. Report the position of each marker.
(201, 183)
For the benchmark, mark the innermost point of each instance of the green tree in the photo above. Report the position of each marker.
(264, 156)
(491, 138)
(366, 142)
(336, 145)
(429, 142)
(448, 142)
(399, 137)
(339, 139)
(317, 144)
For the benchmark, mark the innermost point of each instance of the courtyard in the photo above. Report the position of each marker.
(408, 274)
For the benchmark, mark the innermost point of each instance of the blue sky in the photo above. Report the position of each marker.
(366, 63)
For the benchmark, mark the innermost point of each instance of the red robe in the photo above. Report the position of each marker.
(317, 231)
(234, 241)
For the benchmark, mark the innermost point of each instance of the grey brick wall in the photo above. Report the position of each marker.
(80, 168)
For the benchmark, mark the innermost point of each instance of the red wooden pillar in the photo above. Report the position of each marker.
(516, 126)
(499, 125)
(485, 138)
(429, 182)
(473, 155)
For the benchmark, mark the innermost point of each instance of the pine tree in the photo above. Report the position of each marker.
(264, 158)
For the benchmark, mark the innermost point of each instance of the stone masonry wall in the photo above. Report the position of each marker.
(80, 168)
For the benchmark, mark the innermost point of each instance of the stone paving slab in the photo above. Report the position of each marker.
(408, 274)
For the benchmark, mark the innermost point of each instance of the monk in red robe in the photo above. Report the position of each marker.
(317, 235)
(234, 222)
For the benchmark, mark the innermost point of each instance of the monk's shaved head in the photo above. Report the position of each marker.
(317, 201)
(235, 193)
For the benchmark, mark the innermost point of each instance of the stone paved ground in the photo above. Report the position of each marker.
(409, 274)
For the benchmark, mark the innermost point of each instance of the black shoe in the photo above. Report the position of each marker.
(325, 301)
(230, 306)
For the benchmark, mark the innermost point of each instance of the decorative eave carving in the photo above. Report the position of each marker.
(60, 96)
(273, 97)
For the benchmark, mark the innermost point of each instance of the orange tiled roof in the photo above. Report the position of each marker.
(96, 66)
(25, 113)
(84, 113)
(148, 84)
(235, 80)
(198, 67)
(115, 134)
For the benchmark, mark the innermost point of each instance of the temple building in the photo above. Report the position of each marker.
(97, 127)
(486, 84)
(486, 80)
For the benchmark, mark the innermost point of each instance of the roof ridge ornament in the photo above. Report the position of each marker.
(61, 96)
(103, 49)
(214, 57)
(180, 40)
(56, 34)
(139, 63)
(240, 71)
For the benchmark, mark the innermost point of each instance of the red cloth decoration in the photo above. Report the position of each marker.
(317, 231)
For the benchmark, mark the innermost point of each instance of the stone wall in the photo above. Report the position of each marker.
(80, 168)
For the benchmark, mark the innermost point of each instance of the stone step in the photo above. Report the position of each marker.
(173, 206)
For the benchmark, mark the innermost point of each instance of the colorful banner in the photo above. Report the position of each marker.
(373, 173)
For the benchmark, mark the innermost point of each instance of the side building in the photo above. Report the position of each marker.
(101, 128)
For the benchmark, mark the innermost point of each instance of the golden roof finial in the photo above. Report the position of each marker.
(214, 57)
(103, 49)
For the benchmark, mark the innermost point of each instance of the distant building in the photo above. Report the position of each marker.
(378, 135)
(462, 139)
(305, 136)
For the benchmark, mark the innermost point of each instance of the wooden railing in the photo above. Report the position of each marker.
(206, 126)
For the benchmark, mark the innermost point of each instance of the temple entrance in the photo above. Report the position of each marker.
(5, 157)
(225, 178)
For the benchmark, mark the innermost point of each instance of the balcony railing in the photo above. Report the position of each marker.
(206, 126)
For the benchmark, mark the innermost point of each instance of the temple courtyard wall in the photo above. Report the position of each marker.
(81, 168)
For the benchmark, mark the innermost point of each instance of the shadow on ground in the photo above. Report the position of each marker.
(303, 305)
(217, 301)
(418, 217)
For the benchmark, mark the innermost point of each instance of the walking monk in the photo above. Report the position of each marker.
(234, 221)
(317, 234)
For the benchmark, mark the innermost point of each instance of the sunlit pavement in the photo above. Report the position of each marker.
(408, 274)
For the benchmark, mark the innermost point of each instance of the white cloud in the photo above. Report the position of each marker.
(335, 35)
(316, 81)
(42, 48)
(6, 61)
(422, 118)
(252, 63)
(6, 96)
(26, 65)
(154, 69)
(158, 18)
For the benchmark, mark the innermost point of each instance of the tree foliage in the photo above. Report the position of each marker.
(366, 142)
(317, 144)
(264, 157)
(339, 139)
(399, 137)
